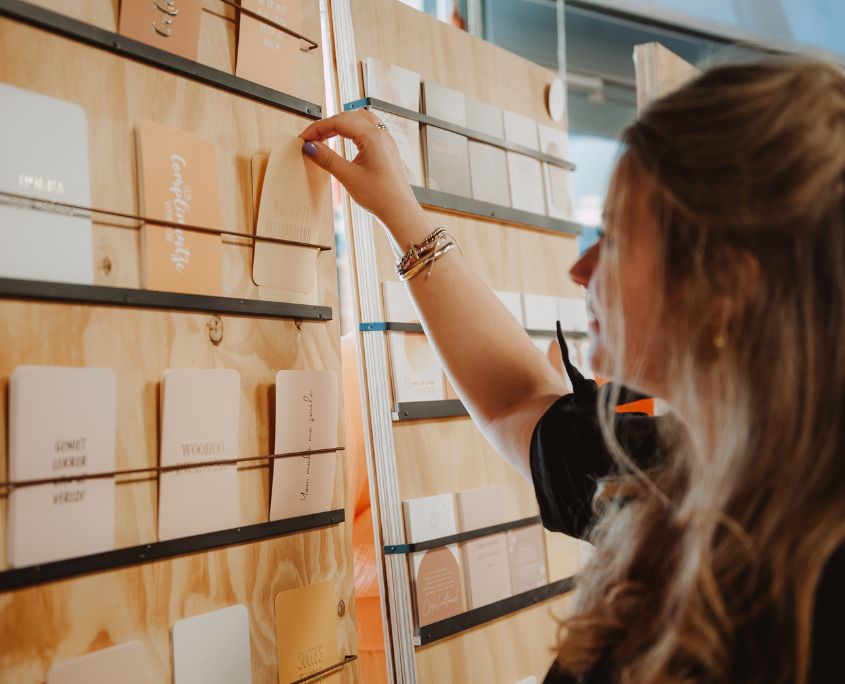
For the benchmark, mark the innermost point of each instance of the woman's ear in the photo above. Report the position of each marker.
(742, 287)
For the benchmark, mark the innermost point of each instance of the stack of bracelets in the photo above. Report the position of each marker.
(435, 245)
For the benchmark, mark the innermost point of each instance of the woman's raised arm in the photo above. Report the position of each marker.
(503, 380)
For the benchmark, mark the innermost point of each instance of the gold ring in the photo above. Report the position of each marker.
(381, 126)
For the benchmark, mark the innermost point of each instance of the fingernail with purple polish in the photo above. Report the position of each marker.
(310, 149)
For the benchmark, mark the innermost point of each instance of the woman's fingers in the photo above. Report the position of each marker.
(352, 125)
(332, 162)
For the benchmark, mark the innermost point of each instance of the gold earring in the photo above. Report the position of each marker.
(719, 340)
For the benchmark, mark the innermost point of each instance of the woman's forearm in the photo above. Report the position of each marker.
(501, 377)
(504, 381)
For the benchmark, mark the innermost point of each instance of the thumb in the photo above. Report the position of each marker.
(324, 156)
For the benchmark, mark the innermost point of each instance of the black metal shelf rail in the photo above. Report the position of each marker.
(381, 105)
(390, 326)
(422, 410)
(115, 43)
(478, 616)
(462, 536)
(488, 211)
(155, 551)
(38, 290)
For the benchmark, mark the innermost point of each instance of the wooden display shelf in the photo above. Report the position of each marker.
(11, 288)
(462, 536)
(145, 553)
(68, 27)
(381, 105)
(478, 616)
(466, 206)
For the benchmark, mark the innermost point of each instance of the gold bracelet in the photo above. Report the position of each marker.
(420, 250)
(428, 261)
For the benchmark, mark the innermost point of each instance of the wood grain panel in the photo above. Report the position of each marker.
(447, 455)
(659, 71)
(218, 36)
(62, 620)
(507, 650)
(68, 618)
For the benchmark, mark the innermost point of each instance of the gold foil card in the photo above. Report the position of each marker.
(306, 632)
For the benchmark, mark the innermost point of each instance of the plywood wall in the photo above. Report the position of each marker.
(68, 618)
(446, 455)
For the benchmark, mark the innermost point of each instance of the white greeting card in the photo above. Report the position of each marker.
(524, 173)
(556, 179)
(125, 663)
(45, 157)
(213, 648)
(62, 423)
(199, 424)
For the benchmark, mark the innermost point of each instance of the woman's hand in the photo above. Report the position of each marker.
(376, 179)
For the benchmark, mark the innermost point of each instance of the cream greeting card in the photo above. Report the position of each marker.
(199, 424)
(45, 157)
(417, 374)
(488, 164)
(213, 648)
(172, 25)
(557, 179)
(267, 55)
(62, 423)
(437, 574)
(527, 558)
(258, 168)
(125, 663)
(479, 508)
(294, 205)
(486, 569)
(446, 155)
(540, 312)
(306, 420)
(525, 173)
(485, 559)
(401, 87)
(178, 176)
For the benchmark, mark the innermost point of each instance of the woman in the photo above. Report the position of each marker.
(719, 285)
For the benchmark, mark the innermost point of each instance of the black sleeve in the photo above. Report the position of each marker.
(826, 664)
(568, 453)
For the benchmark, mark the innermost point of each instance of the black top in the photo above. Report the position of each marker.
(568, 458)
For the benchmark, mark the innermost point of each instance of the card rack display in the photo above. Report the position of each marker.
(31, 14)
(413, 454)
(438, 199)
(73, 52)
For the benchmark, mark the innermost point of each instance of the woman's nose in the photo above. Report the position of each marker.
(582, 269)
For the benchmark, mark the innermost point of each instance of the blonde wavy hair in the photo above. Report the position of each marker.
(706, 568)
